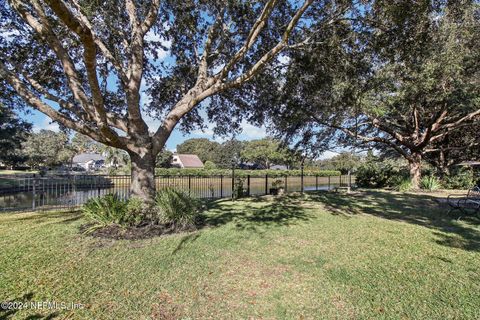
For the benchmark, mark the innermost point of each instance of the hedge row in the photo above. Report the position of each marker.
(244, 173)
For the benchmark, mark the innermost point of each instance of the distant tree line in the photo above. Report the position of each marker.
(22, 147)
(257, 154)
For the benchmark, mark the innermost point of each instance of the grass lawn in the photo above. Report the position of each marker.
(10, 172)
(324, 256)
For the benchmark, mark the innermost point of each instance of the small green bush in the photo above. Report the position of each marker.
(430, 183)
(106, 210)
(111, 209)
(462, 178)
(209, 165)
(239, 190)
(404, 185)
(176, 208)
(374, 175)
(138, 212)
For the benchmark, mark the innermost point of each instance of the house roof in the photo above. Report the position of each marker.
(85, 157)
(190, 160)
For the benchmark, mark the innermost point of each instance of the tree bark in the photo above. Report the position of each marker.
(415, 163)
(142, 183)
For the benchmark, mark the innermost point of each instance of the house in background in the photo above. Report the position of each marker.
(186, 161)
(89, 161)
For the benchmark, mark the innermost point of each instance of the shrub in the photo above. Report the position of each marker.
(111, 209)
(138, 211)
(106, 210)
(460, 179)
(242, 173)
(404, 185)
(239, 189)
(209, 165)
(277, 183)
(430, 183)
(374, 175)
(176, 208)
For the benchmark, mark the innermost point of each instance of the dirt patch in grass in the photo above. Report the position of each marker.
(117, 232)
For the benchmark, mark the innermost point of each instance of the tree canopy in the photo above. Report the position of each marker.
(13, 131)
(47, 148)
(267, 152)
(205, 149)
(86, 64)
(399, 75)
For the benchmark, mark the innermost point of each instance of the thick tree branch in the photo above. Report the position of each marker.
(45, 31)
(41, 106)
(360, 137)
(151, 16)
(90, 60)
(255, 69)
(203, 63)
(252, 36)
(117, 64)
(135, 72)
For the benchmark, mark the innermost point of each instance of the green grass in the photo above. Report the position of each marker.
(326, 256)
(10, 172)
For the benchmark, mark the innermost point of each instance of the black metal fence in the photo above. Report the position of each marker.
(30, 193)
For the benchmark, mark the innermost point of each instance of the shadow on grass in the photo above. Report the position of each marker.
(13, 306)
(253, 213)
(410, 208)
(64, 216)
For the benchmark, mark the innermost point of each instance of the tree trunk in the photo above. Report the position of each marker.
(442, 164)
(143, 176)
(415, 163)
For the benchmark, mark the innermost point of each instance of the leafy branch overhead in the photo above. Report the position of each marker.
(86, 64)
(91, 54)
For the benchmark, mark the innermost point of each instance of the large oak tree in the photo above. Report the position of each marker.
(403, 75)
(85, 64)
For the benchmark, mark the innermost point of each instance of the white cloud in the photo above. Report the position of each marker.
(152, 123)
(283, 59)
(46, 124)
(327, 155)
(207, 131)
(250, 131)
(161, 53)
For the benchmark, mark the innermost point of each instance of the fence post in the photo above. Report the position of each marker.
(34, 194)
(316, 182)
(233, 182)
(248, 185)
(189, 184)
(74, 190)
(349, 181)
(98, 185)
(266, 184)
(328, 182)
(301, 179)
(286, 180)
(221, 186)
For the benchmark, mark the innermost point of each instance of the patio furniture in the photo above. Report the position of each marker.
(470, 201)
